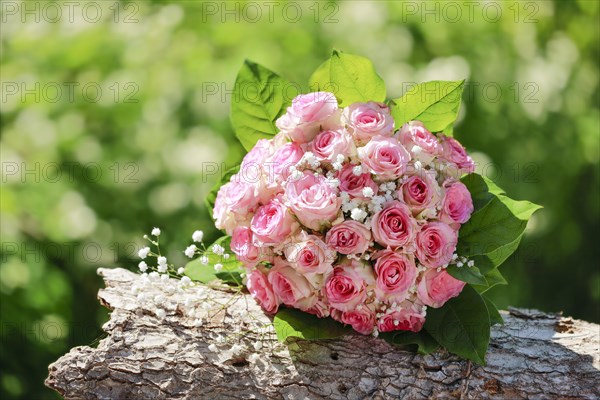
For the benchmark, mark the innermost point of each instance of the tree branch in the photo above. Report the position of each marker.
(178, 357)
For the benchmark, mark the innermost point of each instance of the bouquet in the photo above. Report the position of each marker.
(342, 215)
(353, 211)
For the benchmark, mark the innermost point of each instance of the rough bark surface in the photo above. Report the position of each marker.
(205, 349)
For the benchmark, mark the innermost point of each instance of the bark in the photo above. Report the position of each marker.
(207, 350)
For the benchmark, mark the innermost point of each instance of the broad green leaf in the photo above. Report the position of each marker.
(483, 263)
(493, 278)
(495, 316)
(495, 258)
(260, 96)
(497, 224)
(230, 273)
(462, 325)
(351, 78)
(292, 322)
(470, 275)
(209, 200)
(493, 244)
(434, 103)
(482, 189)
(423, 341)
(319, 80)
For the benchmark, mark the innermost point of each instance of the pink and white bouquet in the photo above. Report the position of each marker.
(354, 210)
(344, 214)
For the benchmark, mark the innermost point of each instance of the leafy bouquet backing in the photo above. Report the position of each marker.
(350, 211)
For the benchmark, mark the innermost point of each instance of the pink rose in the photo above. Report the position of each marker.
(336, 314)
(419, 141)
(260, 288)
(291, 287)
(384, 157)
(310, 255)
(420, 192)
(436, 288)
(455, 153)
(436, 243)
(223, 217)
(279, 164)
(346, 287)
(313, 200)
(252, 167)
(354, 184)
(262, 150)
(396, 273)
(407, 319)
(349, 237)
(241, 196)
(457, 205)
(394, 225)
(303, 118)
(243, 246)
(272, 223)
(327, 145)
(320, 309)
(367, 120)
(235, 200)
(315, 106)
(362, 320)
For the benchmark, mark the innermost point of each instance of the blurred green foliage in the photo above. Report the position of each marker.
(114, 116)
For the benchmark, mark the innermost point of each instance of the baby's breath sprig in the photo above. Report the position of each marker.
(159, 272)
(163, 268)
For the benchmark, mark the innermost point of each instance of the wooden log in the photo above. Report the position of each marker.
(212, 344)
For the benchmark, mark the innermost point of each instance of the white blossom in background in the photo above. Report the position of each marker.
(190, 251)
(162, 264)
(155, 232)
(143, 252)
(186, 281)
(197, 236)
(143, 266)
(218, 249)
(358, 214)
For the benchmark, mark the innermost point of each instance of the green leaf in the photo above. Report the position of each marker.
(496, 227)
(423, 341)
(260, 96)
(351, 78)
(482, 189)
(495, 316)
(497, 224)
(467, 274)
(292, 322)
(434, 103)
(461, 325)
(495, 258)
(449, 131)
(493, 278)
(209, 200)
(230, 273)
(319, 80)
